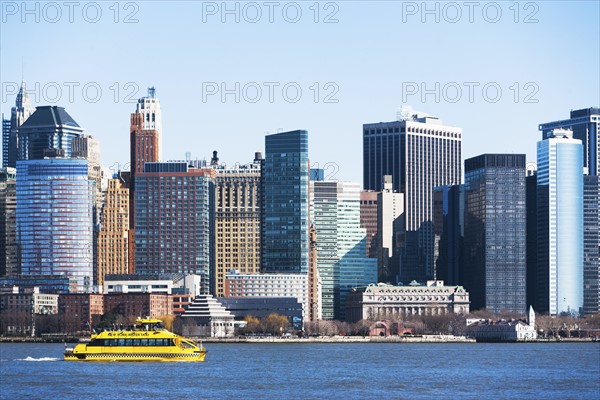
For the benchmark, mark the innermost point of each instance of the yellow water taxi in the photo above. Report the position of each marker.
(147, 341)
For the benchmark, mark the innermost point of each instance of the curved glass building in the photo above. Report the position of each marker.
(55, 220)
(560, 223)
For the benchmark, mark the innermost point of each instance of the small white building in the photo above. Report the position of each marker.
(205, 316)
(152, 283)
(485, 330)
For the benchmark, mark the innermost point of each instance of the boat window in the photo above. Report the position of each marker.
(187, 345)
(128, 342)
(151, 342)
(121, 342)
(96, 342)
(144, 342)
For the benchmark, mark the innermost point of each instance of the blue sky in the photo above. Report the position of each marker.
(543, 56)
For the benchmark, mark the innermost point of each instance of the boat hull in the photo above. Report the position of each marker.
(164, 357)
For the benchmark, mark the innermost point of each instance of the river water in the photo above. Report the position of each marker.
(314, 371)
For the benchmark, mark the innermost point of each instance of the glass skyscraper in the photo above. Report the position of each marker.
(420, 153)
(560, 223)
(585, 125)
(495, 232)
(285, 194)
(55, 220)
(341, 244)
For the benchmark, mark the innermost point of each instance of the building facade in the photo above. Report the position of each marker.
(269, 285)
(495, 232)
(341, 244)
(113, 237)
(376, 302)
(238, 216)
(5, 141)
(448, 219)
(591, 244)
(368, 220)
(9, 255)
(80, 311)
(136, 305)
(153, 283)
(55, 220)
(286, 208)
(560, 223)
(173, 220)
(390, 228)
(420, 153)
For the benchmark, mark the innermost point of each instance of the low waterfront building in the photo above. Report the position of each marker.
(206, 317)
(79, 311)
(55, 284)
(269, 285)
(381, 300)
(18, 310)
(486, 330)
(260, 307)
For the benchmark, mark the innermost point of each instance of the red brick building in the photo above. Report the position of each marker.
(139, 304)
(79, 311)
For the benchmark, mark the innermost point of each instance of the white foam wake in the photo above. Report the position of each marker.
(37, 359)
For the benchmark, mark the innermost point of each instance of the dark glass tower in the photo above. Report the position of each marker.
(495, 232)
(286, 220)
(449, 207)
(419, 153)
(585, 124)
(48, 132)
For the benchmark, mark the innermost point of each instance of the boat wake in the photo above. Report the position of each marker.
(37, 359)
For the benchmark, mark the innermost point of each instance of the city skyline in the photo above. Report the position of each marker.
(307, 53)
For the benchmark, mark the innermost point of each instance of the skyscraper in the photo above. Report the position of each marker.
(9, 260)
(585, 125)
(285, 193)
(560, 223)
(113, 237)
(5, 141)
(48, 132)
(10, 128)
(55, 219)
(591, 244)
(532, 235)
(448, 218)
(173, 220)
(144, 146)
(341, 244)
(419, 152)
(368, 220)
(238, 215)
(390, 214)
(495, 223)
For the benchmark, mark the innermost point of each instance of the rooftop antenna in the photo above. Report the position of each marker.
(151, 92)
